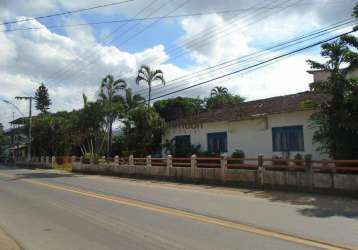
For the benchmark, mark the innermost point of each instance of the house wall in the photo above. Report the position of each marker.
(324, 75)
(253, 136)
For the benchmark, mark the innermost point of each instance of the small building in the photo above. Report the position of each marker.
(274, 126)
(278, 125)
(18, 138)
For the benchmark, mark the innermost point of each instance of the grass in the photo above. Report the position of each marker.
(65, 167)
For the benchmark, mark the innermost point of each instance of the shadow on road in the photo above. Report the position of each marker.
(40, 176)
(314, 205)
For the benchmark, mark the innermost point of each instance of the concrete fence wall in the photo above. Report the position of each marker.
(307, 179)
(46, 162)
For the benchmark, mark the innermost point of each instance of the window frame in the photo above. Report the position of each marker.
(286, 130)
(182, 136)
(217, 135)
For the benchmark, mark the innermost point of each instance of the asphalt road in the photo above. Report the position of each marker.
(48, 209)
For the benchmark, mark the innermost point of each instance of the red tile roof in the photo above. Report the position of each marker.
(259, 108)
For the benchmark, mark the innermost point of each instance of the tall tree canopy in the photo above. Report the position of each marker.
(220, 97)
(175, 108)
(110, 98)
(337, 122)
(3, 139)
(42, 99)
(149, 76)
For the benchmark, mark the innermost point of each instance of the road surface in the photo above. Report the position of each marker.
(49, 209)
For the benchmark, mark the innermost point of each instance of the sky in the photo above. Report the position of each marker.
(72, 60)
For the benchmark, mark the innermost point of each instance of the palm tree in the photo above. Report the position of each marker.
(110, 100)
(145, 74)
(219, 91)
(131, 101)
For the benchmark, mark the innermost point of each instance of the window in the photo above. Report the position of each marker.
(285, 139)
(182, 145)
(217, 142)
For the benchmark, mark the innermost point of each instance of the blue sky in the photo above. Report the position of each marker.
(72, 61)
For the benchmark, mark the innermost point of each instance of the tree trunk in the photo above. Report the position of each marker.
(109, 143)
(149, 94)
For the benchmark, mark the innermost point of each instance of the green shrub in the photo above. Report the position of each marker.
(298, 157)
(277, 160)
(238, 153)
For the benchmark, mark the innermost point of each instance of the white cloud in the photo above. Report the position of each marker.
(76, 62)
(218, 45)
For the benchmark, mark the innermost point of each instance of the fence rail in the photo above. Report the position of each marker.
(249, 163)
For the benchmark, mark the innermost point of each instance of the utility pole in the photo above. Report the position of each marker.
(30, 122)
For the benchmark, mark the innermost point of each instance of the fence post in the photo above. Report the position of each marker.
(47, 161)
(309, 170)
(260, 169)
(169, 165)
(223, 167)
(53, 161)
(131, 160)
(92, 160)
(193, 163)
(116, 159)
(148, 161)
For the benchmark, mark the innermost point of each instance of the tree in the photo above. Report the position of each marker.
(143, 132)
(113, 108)
(220, 97)
(176, 108)
(219, 91)
(131, 101)
(337, 121)
(42, 99)
(146, 75)
(3, 139)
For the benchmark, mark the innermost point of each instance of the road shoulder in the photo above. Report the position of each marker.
(7, 243)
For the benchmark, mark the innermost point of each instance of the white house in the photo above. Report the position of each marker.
(272, 126)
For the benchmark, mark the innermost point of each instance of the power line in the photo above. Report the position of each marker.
(132, 19)
(130, 38)
(106, 40)
(94, 60)
(256, 55)
(66, 12)
(253, 66)
(208, 33)
(222, 12)
(236, 59)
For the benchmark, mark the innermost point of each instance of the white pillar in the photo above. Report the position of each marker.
(148, 161)
(131, 160)
(169, 165)
(193, 164)
(223, 167)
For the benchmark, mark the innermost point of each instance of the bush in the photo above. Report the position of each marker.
(277, 160)
(238, 153)
(207, 154)
(298, 157)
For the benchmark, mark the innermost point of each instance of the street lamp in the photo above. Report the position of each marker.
(16, 107)
(30, 122)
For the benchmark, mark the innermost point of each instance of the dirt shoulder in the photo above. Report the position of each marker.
(6, 242)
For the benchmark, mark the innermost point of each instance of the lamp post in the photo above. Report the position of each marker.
(30, 122)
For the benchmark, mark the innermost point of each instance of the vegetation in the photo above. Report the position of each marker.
(149, 76)
(220, 97)
(112, 105)
(337, 122)
(3, 139)
(42, 99)
(176, 108)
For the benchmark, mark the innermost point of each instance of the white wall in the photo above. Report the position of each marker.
(253, 136)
